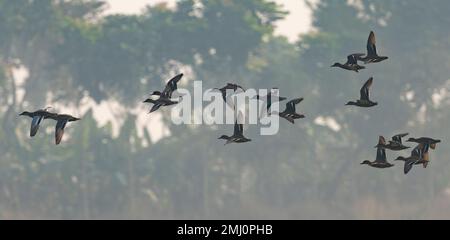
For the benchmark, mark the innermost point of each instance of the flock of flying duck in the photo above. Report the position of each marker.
(419, 154)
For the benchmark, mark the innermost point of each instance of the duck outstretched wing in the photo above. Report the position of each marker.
(364, 92)
(398, 137)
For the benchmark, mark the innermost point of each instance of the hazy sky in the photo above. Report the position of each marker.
(298, 21)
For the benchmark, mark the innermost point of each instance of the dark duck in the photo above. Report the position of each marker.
(419, 155)
(238, 134)
(36, 118)
(425, 140)
(372, 56)
(289, 113)
(351, 64)
(61, 122)
(396, 143)
(380, 161)
(364, 100)
(166, 95)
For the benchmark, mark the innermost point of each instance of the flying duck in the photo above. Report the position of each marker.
(425, 140)
(419, 155)
(372, 56)
(289, 113)
(171, 86)
(238, 134)
(61, 122)
(351, 64)
(396, 143)
(364, 100)
(231, 86)
(37, 117)
(380, 161)
(269, 99)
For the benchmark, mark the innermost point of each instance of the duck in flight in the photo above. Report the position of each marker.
(419, 155)
(166, 95)
(238, 134)
(61, 122)
(425, 140)
(289, 113)
(161, 101)
(380, 161)
(372, 56)
(36, 118)
(364, 100)
(270, 99)
(351, 64)
(171, 86)
(395, 144)
(230, 86)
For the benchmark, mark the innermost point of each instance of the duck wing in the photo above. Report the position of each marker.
(171, 86)
(381, 155)
(398, 137)
(35, 122)
(371, 45)
(59, 130)
(364, 92)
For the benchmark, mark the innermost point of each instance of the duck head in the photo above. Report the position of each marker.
(366, 162)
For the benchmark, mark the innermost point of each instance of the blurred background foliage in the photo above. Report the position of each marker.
(72, 52)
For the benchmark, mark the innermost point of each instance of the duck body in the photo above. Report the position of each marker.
(419, 155)
(362, 103)
(229, 86)
(36, 119)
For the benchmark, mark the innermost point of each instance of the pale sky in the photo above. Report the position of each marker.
(298, 21)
